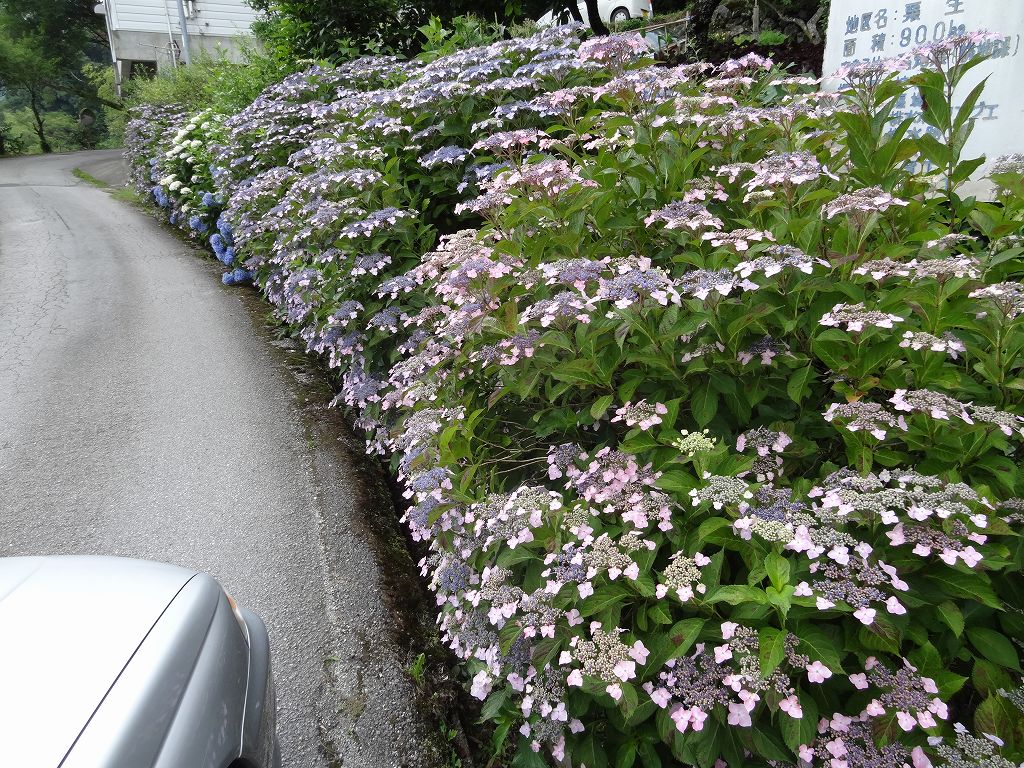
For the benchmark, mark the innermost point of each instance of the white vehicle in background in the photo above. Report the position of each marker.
(609, 10)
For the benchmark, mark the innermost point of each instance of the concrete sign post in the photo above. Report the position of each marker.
(866, 30)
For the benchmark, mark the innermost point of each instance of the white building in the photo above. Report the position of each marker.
(158, 34)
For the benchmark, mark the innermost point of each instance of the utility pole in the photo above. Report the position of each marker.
(186, 49)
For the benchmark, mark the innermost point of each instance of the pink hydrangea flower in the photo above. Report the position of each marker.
(661, 697)
(895, 607)
(919, 759)
(642, 414)
(818, 672)
(906, 720)
(836, 748)
(855, 317)
(865, 615)
(557, 749)
(791, 706)
(625, 670)
(861, 202)
(481, 685)
(739, 715)
(685, 718)
(840, 722)
(639, 652)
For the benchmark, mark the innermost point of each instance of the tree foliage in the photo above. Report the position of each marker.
(48, 50)
(325, 29)
(67, 29)
(10, 143)
(25, 71)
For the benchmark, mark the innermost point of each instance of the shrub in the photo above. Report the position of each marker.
(62, 131)
(466, 32)
(110, 120)
(767, 37)
(325, 29)
(638, 22)
(219, 84)
(10, 142)
(705, 387)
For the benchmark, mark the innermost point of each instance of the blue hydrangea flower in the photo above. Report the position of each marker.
(228, 256)
(160, 196)
(225, 229)
(218, 175)
(228, 278)
(217, 243)
(196, 223)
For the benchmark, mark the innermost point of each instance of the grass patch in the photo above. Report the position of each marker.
(89, 178)
(125, 195)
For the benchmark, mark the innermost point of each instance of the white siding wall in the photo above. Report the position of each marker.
(225, 18)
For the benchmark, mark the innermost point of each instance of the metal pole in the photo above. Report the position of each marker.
(108, 7)
(186, 50)
(170, 38)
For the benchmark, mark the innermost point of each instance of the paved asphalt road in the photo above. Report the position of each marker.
(144, 412)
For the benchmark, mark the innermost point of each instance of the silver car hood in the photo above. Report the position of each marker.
(68, 627)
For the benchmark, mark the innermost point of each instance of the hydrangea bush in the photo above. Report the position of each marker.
(705, 387)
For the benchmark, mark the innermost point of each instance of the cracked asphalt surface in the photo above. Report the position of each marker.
(145, 412)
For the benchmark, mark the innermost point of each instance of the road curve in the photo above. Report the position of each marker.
(144, 412)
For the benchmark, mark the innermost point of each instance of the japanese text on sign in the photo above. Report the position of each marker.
(871, 30)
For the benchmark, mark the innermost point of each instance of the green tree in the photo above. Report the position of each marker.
(805, 15)
(10, 144)
(46, 49)
(25, 71)
(327, 29)
(68, 28)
